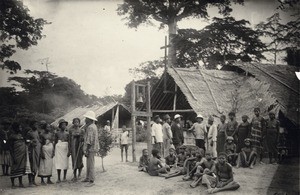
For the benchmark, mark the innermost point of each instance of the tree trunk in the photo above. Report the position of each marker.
(172, 30)
(102, 164)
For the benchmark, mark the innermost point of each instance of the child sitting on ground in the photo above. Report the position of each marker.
(192, 163)
(171, 159)
(188, 165)
(144, 161)
(230, 149)
(156, 167)
(206, 167)
(247, 156)
(224, 177)
(181, 157)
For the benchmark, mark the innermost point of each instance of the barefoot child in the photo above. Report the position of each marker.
(156, 167)
(124, 142)
(144, 161)
(247, 156)
(243, 132)
(230, 150)
(181, 157)
(171, 159)
(207, 167)
(271, 137)
(224, 177)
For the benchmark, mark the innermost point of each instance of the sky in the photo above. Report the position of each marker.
(89, 42)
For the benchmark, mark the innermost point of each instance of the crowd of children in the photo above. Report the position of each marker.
(219, 147)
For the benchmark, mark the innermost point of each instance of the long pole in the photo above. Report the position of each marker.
(133, 119)
(148, 107)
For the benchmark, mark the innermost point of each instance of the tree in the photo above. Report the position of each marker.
(224, 41)
(275, 32)
(44, 92)
(169, 12)
(149, 69)
(105, 144)
(18, 30)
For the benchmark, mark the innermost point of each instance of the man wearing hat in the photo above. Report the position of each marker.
(157, 134)
(177, 131)
(90, 147)
(199, 132)
(167, 134)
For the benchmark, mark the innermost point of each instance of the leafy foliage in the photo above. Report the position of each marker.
(169, 12)
(18, 30)
(105, 143)
(275, 31)
(223, 41)
(149, 69)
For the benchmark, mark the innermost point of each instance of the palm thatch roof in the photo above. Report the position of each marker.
(80, 111)
(284, 85)
(216, 92)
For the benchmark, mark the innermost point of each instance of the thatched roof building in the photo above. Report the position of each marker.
(116, 112)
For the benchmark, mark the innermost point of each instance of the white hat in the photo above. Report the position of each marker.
(199, 116)
(177, 116)
(91, 115)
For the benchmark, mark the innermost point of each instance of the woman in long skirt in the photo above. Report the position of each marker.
(61, 148)
(34, 149)
(18, 151)
(46, 162)
(243, 132)
(221, 137)
(5, 158)
(76, 144)
(257, 128)
(272, 131)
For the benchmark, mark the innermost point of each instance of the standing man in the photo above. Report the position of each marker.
(177, 131)
(157, 134)
(167, 134)
(212, 137)
(199, 132)
(90, 147)
(5, 158)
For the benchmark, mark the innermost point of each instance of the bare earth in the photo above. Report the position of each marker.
(123, 178)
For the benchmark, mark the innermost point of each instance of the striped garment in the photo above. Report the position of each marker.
(257, 132)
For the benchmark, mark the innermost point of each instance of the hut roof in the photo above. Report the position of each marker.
(218, 92)
(80, 111)
(284, 85)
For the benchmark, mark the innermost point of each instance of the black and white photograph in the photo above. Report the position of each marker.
(152, 97)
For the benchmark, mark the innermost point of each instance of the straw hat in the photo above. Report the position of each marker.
(199, 116)
(91, 115)
(177, 116)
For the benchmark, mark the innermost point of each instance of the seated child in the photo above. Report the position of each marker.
(144, 161)
(206, 167)
(247, 156)
(181, 157)
(224, 177)
(230, 149)
(171, 159)
(155, 167)
(188, 165)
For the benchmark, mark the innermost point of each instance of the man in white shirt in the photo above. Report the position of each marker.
(199, 132)
(212, 137)
(157, 134)
(124, 142)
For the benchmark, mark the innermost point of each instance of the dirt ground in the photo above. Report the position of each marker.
(123, 178)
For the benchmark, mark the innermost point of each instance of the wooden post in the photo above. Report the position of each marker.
(112, 116)
(133, 119)
(148, 108)
(175, 98)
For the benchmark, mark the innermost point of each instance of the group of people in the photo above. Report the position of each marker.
(219, 147)
(34, 150)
